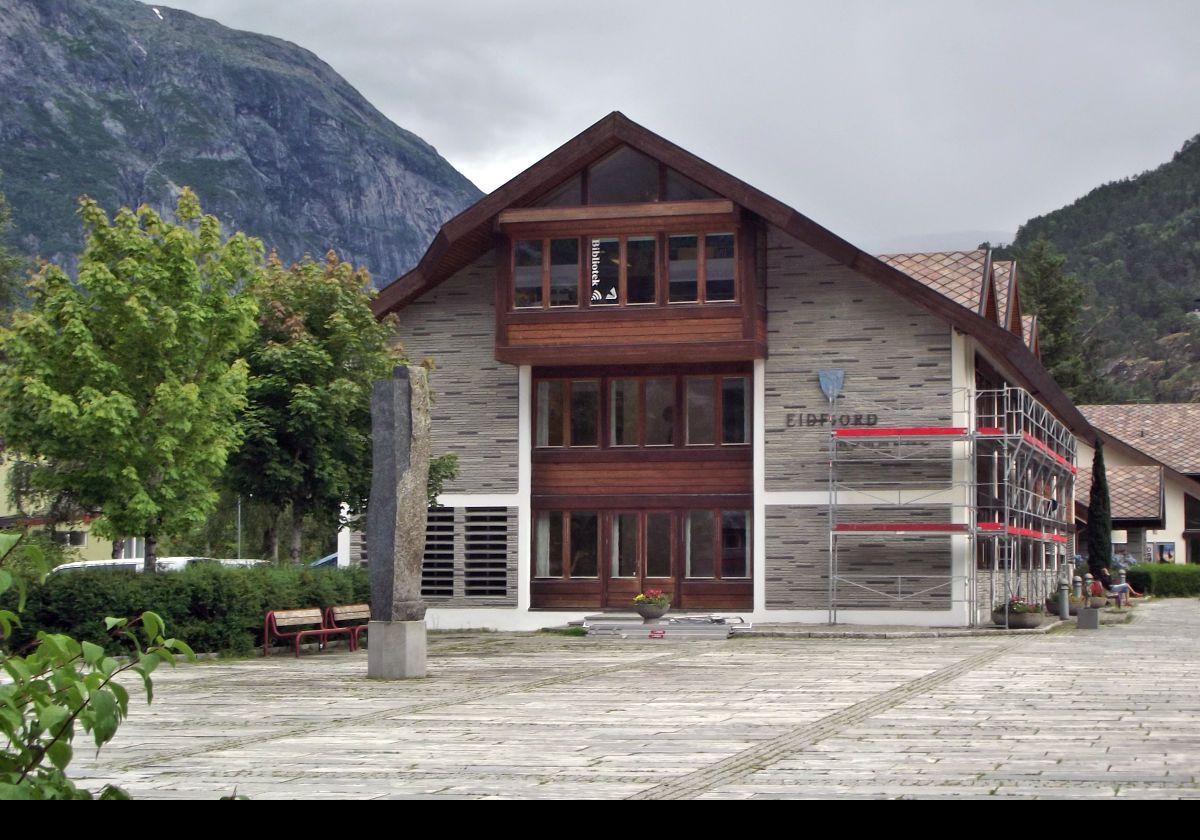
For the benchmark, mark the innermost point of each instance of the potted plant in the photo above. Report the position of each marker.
(1074, 602)
(1017, 614)
(651, 605)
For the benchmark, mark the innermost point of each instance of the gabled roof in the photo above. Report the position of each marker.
(1134, 492)
(962, 276)
(471, 233)
(1007, 294)
(1167, 432)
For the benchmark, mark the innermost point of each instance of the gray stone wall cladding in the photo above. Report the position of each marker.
(475, 398)
(797, 561)
(897, 363)
(896, 358)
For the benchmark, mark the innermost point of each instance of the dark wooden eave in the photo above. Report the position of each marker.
(472, 232)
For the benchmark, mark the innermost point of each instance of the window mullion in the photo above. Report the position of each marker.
(545, 274)
(701, 266)
(719, 538)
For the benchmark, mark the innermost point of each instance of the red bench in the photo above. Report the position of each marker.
(301, 624)
(358, 613)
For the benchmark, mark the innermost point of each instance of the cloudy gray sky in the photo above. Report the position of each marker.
(885, 121)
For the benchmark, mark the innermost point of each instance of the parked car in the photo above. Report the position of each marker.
(329, 561)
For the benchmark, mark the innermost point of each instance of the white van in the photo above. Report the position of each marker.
(162, 564)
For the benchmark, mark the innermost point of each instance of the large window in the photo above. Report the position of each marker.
(717, 544)
(643, 411)
(545, 273)
(624, 270)
(567, 544)
(714, 544)
(700, 268)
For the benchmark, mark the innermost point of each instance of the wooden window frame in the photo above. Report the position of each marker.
(546, 305)
(702, 267)
(719, 543)
(680, 428)
(662, 297)
(566, 543)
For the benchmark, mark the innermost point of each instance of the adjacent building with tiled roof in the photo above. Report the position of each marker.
(1135, 494)
(1139, 442)
(1168, 432)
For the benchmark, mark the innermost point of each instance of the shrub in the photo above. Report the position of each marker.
(1165, 580)
(216, 609)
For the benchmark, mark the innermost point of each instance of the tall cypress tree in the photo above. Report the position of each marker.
(1099, 530)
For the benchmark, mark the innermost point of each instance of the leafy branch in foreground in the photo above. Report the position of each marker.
(57, 685)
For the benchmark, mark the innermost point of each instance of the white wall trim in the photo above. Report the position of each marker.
(760, 485)
(467, 500)
(933, 495)
(524, 486)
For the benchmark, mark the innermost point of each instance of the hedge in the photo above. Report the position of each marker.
(212, 608)
(1166, 580)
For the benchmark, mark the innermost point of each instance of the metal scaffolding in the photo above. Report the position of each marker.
(1002, 484)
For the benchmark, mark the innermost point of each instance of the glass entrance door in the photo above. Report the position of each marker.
(641, 556)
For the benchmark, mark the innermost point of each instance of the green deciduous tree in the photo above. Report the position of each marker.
(1099, 527)
(307, 421)
(126, 384)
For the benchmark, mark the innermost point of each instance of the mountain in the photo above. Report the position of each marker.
(128, 103)
(1135, 243)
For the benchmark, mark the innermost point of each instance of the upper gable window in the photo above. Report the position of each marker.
(625, 176)
(682, 188)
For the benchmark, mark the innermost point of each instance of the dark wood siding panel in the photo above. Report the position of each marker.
(600, 333)
(643, 476)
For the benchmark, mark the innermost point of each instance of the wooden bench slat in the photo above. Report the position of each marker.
(288, 618)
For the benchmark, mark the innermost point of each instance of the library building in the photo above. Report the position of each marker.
(656, 376)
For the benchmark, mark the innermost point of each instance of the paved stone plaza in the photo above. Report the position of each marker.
(1114, 712)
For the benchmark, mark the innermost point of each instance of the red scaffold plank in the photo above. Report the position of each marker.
(990, 430)
(1044, 448)
(887, 527)
(906, 431)
(990, 526)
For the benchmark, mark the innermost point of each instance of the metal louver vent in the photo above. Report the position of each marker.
(437, 568)
(485, 568)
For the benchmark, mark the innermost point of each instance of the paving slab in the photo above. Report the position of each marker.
(1101, 714)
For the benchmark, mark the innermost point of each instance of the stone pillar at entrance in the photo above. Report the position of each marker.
(396, 524)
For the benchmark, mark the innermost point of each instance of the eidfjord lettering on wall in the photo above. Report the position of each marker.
(799, 419)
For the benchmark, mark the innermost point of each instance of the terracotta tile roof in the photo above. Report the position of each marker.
(1134, 492)
(1002, 272)
(1167, 432)
(956, 274)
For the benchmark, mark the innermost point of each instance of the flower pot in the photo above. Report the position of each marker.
(1017, 621)
(651, 613)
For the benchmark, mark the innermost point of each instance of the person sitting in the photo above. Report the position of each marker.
(1122, 591)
